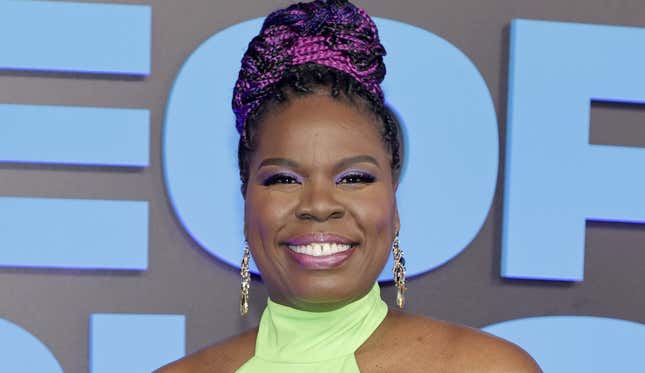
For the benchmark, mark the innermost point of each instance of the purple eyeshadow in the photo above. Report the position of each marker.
(366, 176)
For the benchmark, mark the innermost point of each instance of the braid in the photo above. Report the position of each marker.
(338, 3)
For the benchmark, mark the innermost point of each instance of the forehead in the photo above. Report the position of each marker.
(319, 126)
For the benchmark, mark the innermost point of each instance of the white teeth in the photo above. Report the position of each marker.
(320, 249)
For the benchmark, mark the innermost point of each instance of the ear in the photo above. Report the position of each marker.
(246, 227)
(397, 221)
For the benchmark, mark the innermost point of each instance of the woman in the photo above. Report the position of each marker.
(320, 158)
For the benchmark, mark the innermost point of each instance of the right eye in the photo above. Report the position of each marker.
(280, 179)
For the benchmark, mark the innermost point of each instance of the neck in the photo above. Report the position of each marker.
(319, 305)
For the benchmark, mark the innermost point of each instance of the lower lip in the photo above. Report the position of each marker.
(323, 261)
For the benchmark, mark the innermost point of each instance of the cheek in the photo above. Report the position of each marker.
(265, 211)
(374, 211)
(263, 217)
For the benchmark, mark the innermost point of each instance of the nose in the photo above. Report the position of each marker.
(318, 202)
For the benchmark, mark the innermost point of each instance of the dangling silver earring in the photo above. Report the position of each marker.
(246, 281)
(399, 272)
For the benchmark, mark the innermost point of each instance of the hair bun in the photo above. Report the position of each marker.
(331, 33)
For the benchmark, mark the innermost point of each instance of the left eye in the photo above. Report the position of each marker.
(356, 178)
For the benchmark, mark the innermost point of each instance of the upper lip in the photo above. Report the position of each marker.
(318, 237)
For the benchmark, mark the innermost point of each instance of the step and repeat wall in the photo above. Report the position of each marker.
(522, 199)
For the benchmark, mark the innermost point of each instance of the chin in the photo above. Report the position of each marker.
(321, 291)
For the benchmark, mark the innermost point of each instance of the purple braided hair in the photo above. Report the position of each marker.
(331, 33)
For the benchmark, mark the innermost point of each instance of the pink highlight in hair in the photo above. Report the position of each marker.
(335, 34)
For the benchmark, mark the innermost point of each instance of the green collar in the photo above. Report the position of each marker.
(305, 341)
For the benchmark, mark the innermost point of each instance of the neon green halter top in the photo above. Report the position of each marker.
(291, 340)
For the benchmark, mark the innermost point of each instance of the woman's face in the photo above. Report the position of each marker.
(320, 212)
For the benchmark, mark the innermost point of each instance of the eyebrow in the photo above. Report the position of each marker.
(278, 162)
(343, 163)
(339, 165)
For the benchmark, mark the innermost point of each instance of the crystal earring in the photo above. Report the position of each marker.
(246, 281)
(399, 272)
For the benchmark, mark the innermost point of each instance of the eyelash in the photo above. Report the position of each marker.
(350, 178)
(358, 177)
(280, 179)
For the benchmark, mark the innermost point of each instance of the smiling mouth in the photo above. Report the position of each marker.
(321, 255)
(320, 248)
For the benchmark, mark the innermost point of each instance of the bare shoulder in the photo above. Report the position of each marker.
(464, 349)
(226, 356)
(423, 344)
(482, 352)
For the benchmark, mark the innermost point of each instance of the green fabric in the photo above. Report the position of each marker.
(291, 340)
